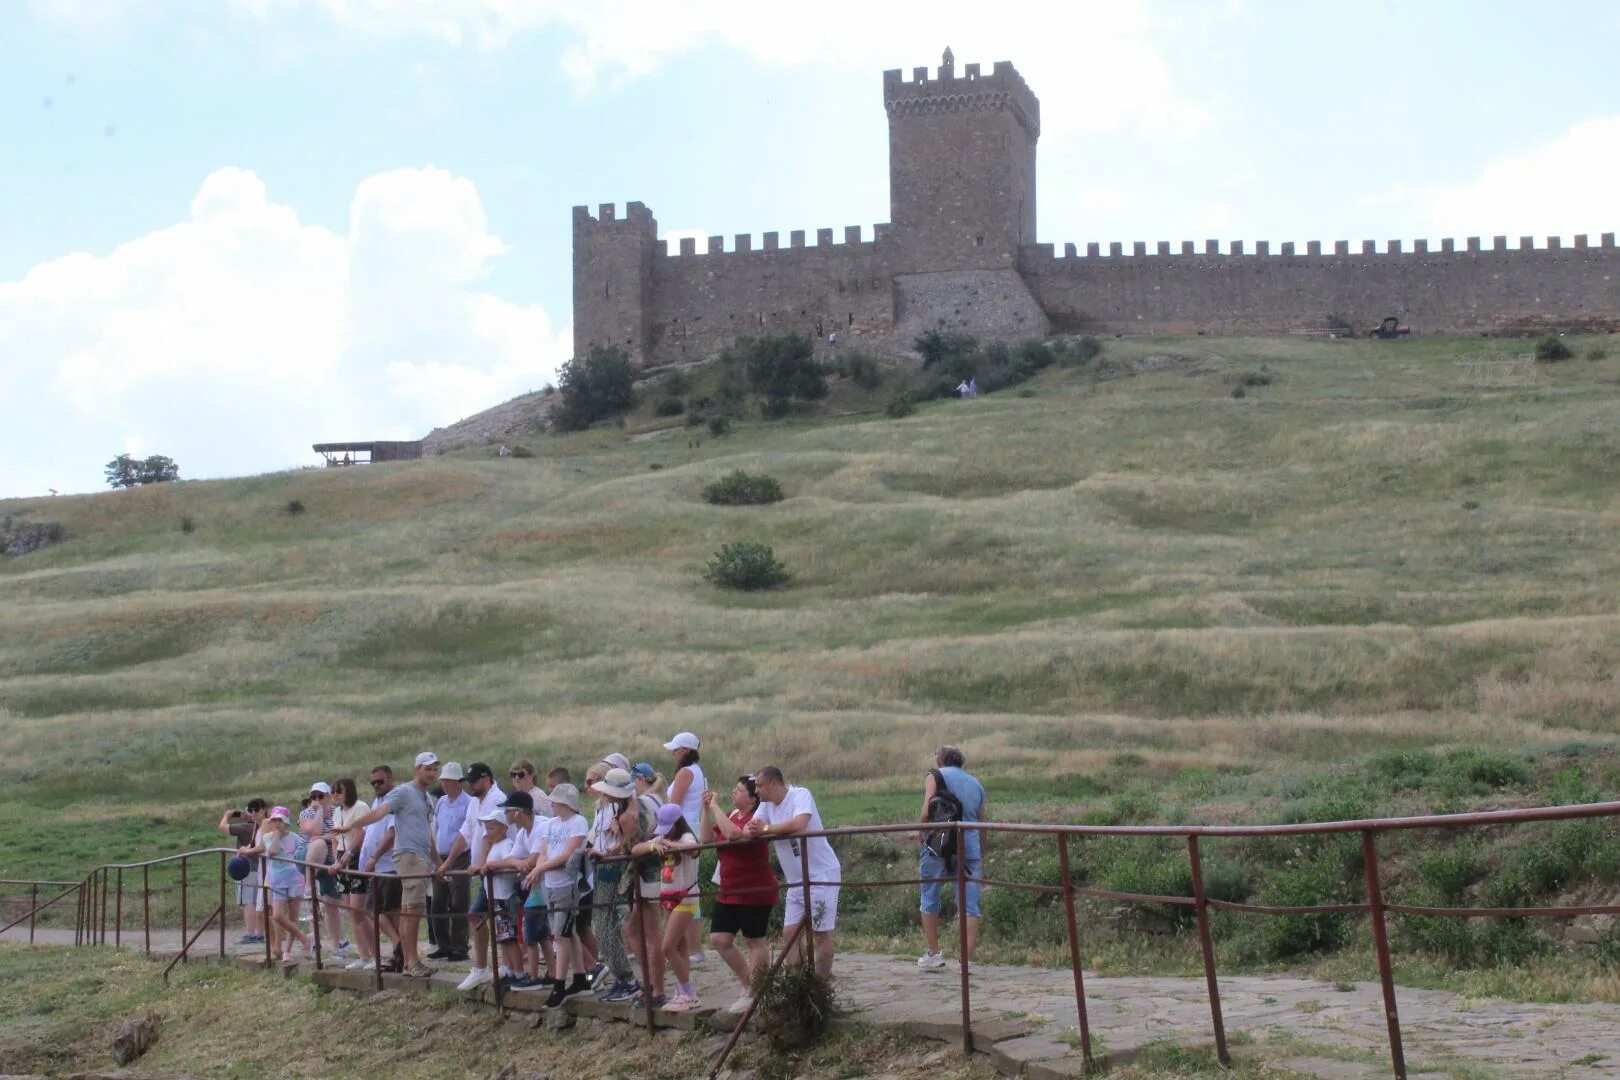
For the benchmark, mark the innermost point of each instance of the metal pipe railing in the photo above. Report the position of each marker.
(92, 900)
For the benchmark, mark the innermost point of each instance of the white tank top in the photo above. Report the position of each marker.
(692, 805)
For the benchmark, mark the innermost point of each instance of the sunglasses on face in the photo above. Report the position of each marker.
(378, 783)
(518, 774)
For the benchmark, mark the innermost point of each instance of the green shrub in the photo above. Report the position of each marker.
(1596, 352)
(594, 387)
(1305, 884)
(1552, 349)
(1480, 772)
(1081, 351)
(675, 384)
(670, 406)
(745, 565)
(1450, 871)
(742, 489)
(859, 369)
(295, 506)
(794, 1006)
(1239, 392)
(781, 366)
(719, 425)
(187, 524)
(775, 408)
(522, 452)
(1255, 378)
(1403, 770)
(900, 406)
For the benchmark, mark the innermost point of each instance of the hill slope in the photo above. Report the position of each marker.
(1126, 577)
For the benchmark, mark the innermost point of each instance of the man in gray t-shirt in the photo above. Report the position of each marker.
(412, 808)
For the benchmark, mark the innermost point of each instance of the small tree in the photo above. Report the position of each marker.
(745, 565)
(125, 471)
(594, 388)
(781, 368)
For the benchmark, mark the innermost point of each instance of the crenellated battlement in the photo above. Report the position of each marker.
(828, 241)
(1033, 255)
(1003, 88)
(607, 216)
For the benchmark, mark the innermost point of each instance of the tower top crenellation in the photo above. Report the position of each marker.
(1002, 87)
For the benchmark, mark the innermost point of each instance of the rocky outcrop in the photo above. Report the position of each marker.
(21, 537)
(509, 422)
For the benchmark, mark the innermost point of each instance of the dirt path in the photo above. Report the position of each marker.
(1445, 1034)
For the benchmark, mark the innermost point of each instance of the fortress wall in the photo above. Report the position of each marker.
(702, 302)
(1463, 287)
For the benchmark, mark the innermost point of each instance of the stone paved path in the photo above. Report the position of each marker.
(1445, 1034)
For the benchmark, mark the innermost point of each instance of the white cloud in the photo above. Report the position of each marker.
(1559, 188)
(1095, 64)
(234, 339)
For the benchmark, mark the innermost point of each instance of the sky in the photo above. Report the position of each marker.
(233, 228)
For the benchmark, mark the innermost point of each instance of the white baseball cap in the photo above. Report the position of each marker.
(684, 741)
(321, 786)
(493, 814)
(451, 771)
(426, 757)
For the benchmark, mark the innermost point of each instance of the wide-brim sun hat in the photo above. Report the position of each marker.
(616, 784)
(567, 795)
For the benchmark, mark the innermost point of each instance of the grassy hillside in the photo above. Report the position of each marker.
(1118, 583)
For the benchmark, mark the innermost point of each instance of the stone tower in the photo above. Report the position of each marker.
(613, 278)
(961, 165)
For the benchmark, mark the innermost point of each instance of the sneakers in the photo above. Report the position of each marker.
(250, 939)
(931, 961)
(441, 953)
(620, 991)
(527, 984)
(477, 977)
(597, 974)
(364, 963)
(339, 953)
(741, 1005)
(641, 1002)
(682, 1003)
(418, 970)
(697, 959)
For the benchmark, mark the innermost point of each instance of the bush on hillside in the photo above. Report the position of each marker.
(675, 384)
(1596, 352)
(522, 452)
(859, 369)
(745, 565)
(719, 425)
(743, 489)
(295, 507)
(795, 1005)
(595, 387)
(670, 406)
(781, 368)
(901, 405)
(1080, 351)
(1551, 348)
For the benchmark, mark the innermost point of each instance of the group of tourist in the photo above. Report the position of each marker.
(548, 875)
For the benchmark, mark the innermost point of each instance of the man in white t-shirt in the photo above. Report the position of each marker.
(784, 812)
(487, 795)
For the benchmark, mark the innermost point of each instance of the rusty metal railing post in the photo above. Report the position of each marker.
(146, 907)
(1386, 974)
(962, 942)
(638, 905)
(376, 928)
(1074, 949)
(118, 913)
(809, 916)
(222, 875)
(101, 913)
(315, 912)
(1201, 908)
(33, 910)
(264, 915)
(494, 943)
(185, 889)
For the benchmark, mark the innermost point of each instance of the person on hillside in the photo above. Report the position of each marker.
(378, 887)
(958, 782)
(556, 869)
(622, 821)
(481, 785)
(451, 891)
(782, 814)
(686, 791)
(748, 889)
(323, 798)
(286, 881)
(413, 813)
(346, 806)
(675, 843)
(499, 872)
(242, 826)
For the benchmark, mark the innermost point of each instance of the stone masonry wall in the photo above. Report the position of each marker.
(1474, 288)
(702, 302)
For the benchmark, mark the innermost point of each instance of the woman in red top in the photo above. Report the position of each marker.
(748, 888)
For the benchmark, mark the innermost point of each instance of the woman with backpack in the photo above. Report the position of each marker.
(623, 822)
(674, 842)
(950, 793)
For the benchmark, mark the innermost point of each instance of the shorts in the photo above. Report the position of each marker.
(286, 888)
(383, 895)
(355, 885)
(327, 883)
(249, 891)
(535, 927)
(560, 902)
(823, 907)
(587, 901)
(413, 889)
(675, 903)
(932, 866)
(750, 920)
(505, 920)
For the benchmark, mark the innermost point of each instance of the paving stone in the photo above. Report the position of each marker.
(1011, 1055)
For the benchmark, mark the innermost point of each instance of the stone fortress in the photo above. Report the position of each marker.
(960, 252)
